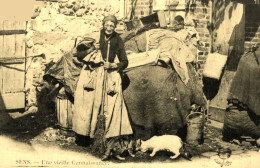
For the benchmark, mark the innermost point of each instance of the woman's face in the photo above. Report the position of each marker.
(109, 27)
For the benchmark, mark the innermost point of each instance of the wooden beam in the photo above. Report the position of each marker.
(11, 60)
(15, 60)
(12, 32)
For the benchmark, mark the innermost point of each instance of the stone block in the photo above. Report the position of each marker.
(44, 14)
(256, 40)
(200, 16)
(200, 53)
(43, 25)
(69, 4)
(206, 44)
(68, 12)
(76, 7)
(205, 39)
(66, 45)
(80, 12)
(201, 25)
(62, 5)
(202, 30)
(202, 58)
(50, 38)
(203, 49)
(201, 34)
(29, 43)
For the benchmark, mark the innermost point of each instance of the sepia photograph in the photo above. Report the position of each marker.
(130, 83)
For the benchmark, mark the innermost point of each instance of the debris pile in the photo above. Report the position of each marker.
(54, 135)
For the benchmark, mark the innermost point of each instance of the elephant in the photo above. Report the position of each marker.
(158, 102)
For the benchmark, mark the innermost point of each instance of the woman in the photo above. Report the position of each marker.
(89, 97)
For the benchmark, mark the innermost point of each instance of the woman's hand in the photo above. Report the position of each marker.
(97, 46)
(108, 65)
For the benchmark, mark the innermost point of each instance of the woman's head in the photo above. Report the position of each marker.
(109, 24)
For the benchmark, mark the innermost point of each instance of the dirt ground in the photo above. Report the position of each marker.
(32, 130)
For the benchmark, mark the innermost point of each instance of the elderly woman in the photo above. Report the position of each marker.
(103, 76)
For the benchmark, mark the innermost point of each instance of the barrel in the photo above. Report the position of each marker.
(195, 126)
(64, 115)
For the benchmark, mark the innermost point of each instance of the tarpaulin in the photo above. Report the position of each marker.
(66, 71)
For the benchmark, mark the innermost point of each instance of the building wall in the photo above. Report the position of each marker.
(141, 8)
(228, 25)
(200, 12)
(228, 38)
(252, 25)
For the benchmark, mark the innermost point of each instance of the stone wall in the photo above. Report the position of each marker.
(200, 12)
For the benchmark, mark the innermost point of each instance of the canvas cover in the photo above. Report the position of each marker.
(66, 71)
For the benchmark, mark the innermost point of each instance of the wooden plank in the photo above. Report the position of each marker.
(13, 46)
(64, 113)
(9, 50)
(1, 53)
(11, 60)
(58, 109)
(20, 25)
(19, 76)
(8, 73)
(12, 32)
(70, 107)
(18, 98)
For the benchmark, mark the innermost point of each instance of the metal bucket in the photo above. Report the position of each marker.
(195, 123)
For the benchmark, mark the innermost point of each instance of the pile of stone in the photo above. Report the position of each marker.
(54, 135)
(84, 7)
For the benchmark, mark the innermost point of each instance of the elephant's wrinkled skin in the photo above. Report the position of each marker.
(158, 101)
